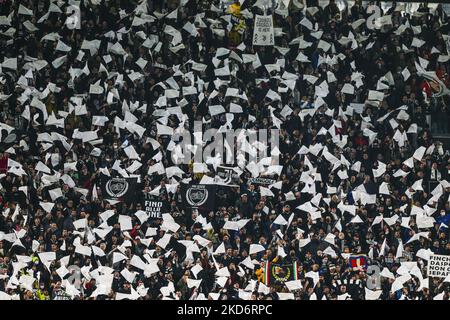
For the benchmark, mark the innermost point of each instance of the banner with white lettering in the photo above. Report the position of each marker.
(154, 207)
(263, 34)
(438, 266)
(263, 181)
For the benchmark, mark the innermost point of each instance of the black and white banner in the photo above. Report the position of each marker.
(263, 32)
(227, 176)
(121, 189)
(198, 196)
(439, 266)
(263, 181)
(155, 207)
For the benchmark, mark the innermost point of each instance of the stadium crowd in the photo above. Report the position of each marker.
(360, 173)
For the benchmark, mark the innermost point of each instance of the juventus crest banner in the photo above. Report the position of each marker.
(198, 196)
(227, 176)
(121, 189)
(263, 32)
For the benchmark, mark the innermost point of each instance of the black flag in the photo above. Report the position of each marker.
(198, 196)
(121, 189)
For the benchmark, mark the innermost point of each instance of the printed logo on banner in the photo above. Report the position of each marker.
(281, 273)
(227, 176)
(276, 273)
(196, 196)
(200, 197)
(263, 33)
(224, 175)
(117, 187)
(122, 189)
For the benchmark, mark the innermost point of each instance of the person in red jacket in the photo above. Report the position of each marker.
(426, 87)
(360, 140)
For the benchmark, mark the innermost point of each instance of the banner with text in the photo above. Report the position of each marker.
(438, 266)
(155, 207)
(263, 34)
(263, 181)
